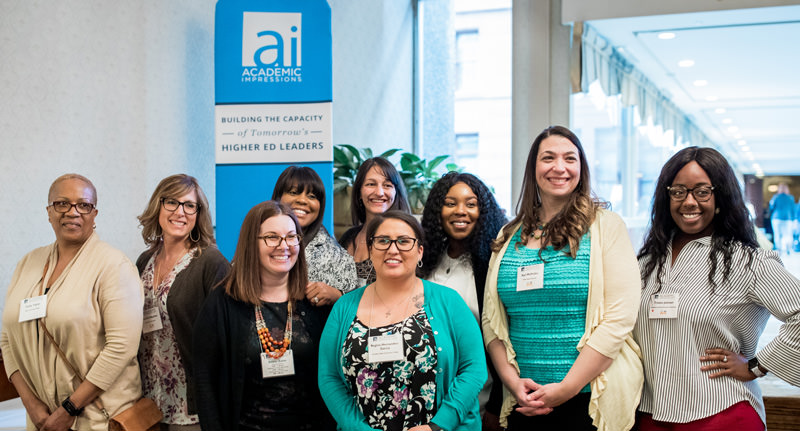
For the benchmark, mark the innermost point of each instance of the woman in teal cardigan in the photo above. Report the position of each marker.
(434, 382)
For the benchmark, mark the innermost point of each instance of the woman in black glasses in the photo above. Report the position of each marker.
(708, 292)
(178, 270)
(401, 353)
(87, 296)
(257, 338)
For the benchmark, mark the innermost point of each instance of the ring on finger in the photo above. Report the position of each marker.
(316, 301)
(725, 358)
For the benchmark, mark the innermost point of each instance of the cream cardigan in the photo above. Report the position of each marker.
(94, 311)
(612, 307)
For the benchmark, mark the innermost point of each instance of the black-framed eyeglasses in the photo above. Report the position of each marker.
(64, 206)
(700, 193)
(172, 205)
(382, 243)
(292, 240)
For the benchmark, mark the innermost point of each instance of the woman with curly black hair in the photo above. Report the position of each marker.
(708, 292)
(461, 219)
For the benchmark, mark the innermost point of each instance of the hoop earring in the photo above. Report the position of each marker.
(194, 239)
(716, 211)
(419, 264)
(158, 231)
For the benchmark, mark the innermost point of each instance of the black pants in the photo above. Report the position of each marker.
(573, 415)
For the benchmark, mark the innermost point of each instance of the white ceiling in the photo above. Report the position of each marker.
(750, 59)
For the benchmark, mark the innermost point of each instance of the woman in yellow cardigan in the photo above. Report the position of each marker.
(561, 300)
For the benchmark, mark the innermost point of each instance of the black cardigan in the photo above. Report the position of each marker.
(185, 299)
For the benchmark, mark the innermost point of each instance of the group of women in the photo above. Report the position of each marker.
(384, 331)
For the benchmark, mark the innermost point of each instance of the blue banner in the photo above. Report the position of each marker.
(273, 103)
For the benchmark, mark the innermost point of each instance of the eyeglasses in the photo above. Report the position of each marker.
(64, 207)
(172, 205)
(700, 193)
(383, 243)
(292, 240)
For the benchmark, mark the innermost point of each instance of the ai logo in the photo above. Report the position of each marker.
(271, 47)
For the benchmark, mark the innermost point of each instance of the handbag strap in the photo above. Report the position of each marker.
(96, 402)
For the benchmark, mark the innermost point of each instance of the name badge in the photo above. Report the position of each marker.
(152, 320)
(32, 308)
(663, 306)
(530, 277)
(385, 348)
(277, 367)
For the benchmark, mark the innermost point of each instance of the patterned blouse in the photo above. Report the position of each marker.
(163, 376)
(394, 395)
(330, 263)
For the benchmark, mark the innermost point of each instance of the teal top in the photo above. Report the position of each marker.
(461, 364)
(546, 324)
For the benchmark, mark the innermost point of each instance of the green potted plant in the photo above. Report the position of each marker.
(419, 175)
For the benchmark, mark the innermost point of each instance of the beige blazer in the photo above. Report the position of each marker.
(94, 311)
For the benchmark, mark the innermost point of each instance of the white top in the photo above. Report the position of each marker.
(731, 316)
(457, 275)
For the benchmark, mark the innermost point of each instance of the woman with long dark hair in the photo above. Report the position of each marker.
(377, 188)
(708, 292)
(256, 340)
(461, 219)
(560, 300)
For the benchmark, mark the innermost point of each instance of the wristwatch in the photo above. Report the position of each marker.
(755, 367)
(70, 408)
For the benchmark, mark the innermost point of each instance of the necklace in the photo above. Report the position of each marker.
(272, 347)
(390, 310)
(540, 228)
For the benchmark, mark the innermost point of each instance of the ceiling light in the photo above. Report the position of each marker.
(686, 63)
(666, 36)
(745, 148)
(760, 174)
(733, 129)
(727, 121)
(700, 83)
(742, 142)
(719, 111)
(772, 188)
(711, 98)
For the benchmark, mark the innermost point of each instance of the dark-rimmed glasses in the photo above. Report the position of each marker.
(64, 207)
(383, 243)
(292, 240)
(172, 205)
(700, 193)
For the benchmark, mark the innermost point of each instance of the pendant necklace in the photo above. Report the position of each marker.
(540, 228)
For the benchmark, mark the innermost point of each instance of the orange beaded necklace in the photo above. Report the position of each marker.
(271, 347)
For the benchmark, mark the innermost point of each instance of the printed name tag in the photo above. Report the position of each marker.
(530, 277)
(152, 320)
(385, 348)
(283, 366)
(663, 306)
(33, 308)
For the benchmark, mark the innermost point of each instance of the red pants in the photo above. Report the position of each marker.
(740, 416)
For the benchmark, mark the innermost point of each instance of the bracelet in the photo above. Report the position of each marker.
(70, 408)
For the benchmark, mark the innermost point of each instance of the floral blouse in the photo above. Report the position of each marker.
(394, 395)
(163, 376)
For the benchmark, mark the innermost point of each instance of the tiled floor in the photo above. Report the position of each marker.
(12, 414)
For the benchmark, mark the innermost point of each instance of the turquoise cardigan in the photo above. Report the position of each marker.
(461, 367)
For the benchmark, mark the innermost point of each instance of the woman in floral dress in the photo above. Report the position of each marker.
(401, 353)
(178, 270)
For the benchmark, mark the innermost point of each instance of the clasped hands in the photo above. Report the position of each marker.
(535, 399)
